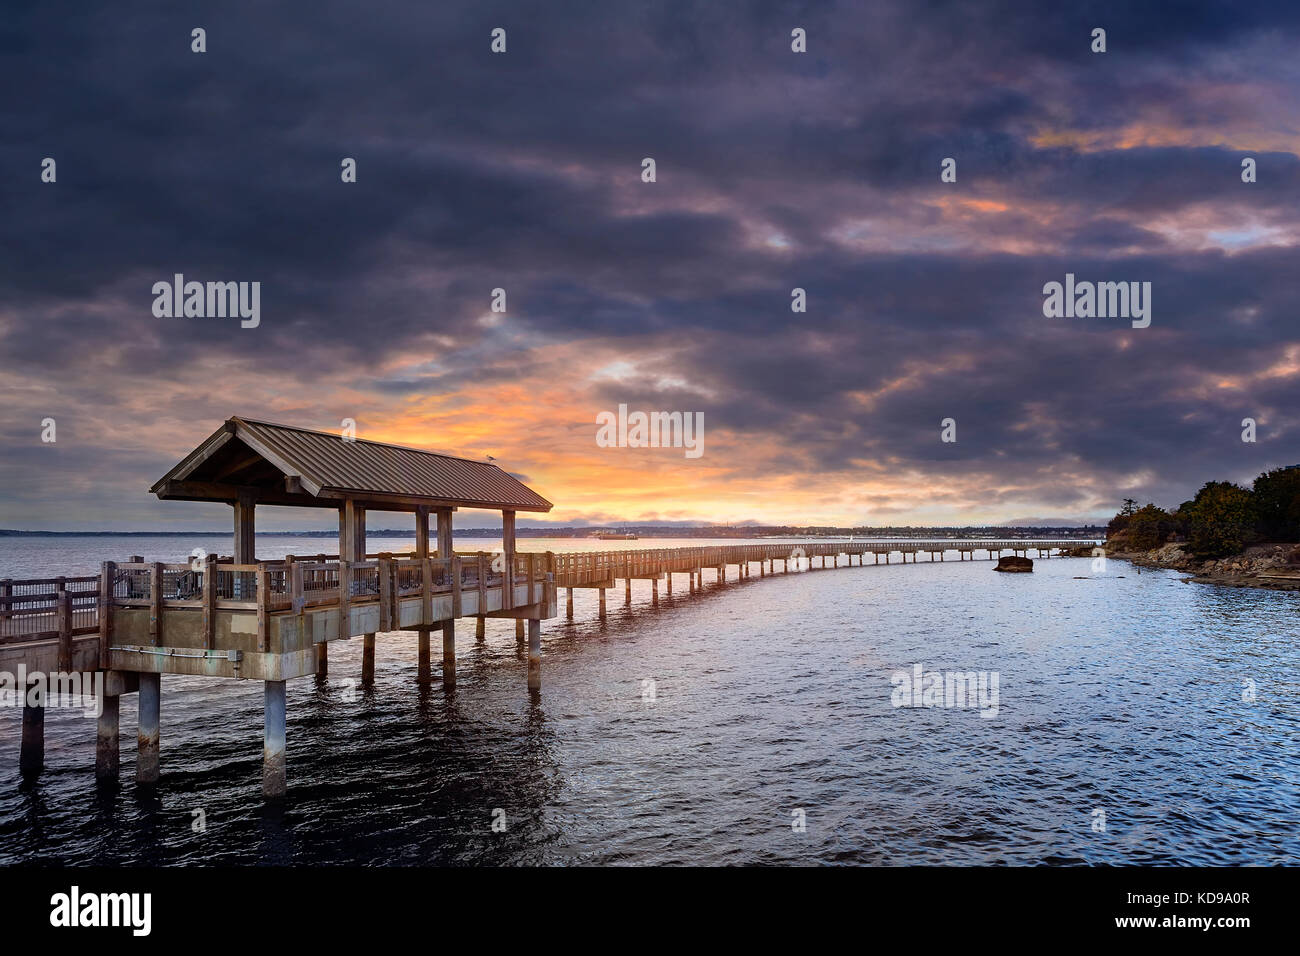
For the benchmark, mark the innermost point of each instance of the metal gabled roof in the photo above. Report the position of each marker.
(328, 465)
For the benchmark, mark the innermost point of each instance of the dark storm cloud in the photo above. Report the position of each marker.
(478, 171)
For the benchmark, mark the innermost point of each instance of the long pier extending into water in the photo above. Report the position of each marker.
(273, 620)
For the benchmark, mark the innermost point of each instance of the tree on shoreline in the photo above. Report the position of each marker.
(1277, 498)
(1222, 519)
(1149, 527)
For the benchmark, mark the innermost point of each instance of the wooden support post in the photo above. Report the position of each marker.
(275, 779)
(480, 628)
(146, 761)
(654, 592)
(627, 594)
(263, 579)
(245, 540)
(422, 532)
(519, 630)
(670, 584)
(107, 574)
(423, 664)
(426, 590)
(457, 572)
(449, 654)
(63, 614)
(155, 603)
(358, 538)
(568, 604)
(31, 755)
(387, 603)
(210, 601)
(426, 582)
(107, 751)
(368, 659)
(508, 547)
(245, 529)
(445, 549)
(534, 654)
(602, 604)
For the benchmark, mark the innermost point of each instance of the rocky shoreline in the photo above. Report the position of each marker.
(1273, 566)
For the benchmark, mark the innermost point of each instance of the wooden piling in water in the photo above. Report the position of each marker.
(31, 755)
(146, 761)
(368, 657)
(424, 655)
(534, 653)
(275, 780)
(107, 746)
(448, 654)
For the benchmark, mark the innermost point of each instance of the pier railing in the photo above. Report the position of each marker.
(575, 569)
(49, 608)
(46, 607)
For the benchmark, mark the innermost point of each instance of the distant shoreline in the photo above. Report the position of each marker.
(1081, 533)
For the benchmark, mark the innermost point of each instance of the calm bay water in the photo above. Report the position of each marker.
(1118, 692)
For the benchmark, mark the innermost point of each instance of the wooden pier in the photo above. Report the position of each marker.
(242, 618)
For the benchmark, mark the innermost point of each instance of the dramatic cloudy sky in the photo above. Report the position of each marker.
(775, 170)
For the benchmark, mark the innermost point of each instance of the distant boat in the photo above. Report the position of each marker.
(615, 536)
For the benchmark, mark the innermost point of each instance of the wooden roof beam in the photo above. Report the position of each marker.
(171, 490)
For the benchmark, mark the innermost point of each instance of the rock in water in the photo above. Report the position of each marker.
(1014, 564)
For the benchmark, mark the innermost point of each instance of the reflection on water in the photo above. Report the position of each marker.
(1120, 693)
